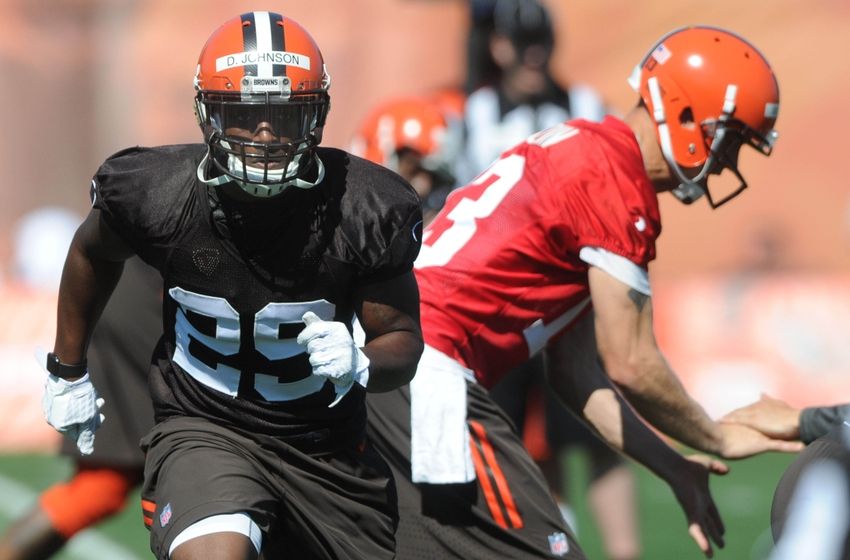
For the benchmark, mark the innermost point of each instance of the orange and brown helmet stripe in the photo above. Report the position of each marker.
(264, 45)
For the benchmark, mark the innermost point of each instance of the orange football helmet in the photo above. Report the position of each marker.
(262, 99)
(709, 92)
(409, 123)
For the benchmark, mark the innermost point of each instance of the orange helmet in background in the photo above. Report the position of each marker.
(452, 101)
(410, 123)
(262, 71)
(709, 92)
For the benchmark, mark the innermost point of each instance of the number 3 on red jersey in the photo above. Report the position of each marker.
(477, 200)
(449, 233)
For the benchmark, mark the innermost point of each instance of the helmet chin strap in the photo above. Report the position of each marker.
(260, 190)
(200, 173)
(689, 189)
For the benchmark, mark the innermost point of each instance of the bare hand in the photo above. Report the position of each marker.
(772, 417)
(740, 441)
(691, 489)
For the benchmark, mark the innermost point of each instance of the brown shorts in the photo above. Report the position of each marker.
(338, 506)
(507, 512)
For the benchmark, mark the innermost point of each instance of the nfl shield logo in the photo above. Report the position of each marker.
(165, 517)
(558, 544)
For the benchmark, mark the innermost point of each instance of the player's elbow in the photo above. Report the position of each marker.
(398, 366)
(623, 374)
(414, 354)
(406, 376)
(624, 368)
(390, 379)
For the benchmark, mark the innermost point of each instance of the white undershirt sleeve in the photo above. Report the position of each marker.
(621, 268)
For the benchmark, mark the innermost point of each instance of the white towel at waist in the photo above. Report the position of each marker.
(439, 442)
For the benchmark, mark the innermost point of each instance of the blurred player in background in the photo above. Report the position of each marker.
(122, 343)
(481, 69)
(268, 245)
(778, 419)
(547, 250)
(519, 96)
(119, 359)
(40, 242)
(418, 138)
(810, 515)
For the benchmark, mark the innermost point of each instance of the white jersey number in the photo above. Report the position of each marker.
(485, 194)
(201, 354)
(438, 247)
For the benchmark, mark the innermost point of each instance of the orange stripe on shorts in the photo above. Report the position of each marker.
(486, 487)
(499, 477)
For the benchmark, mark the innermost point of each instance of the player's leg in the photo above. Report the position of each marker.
(212, 493)
(507, 512)
(30, 537)
(337, 506)
(611, 497)
(94, 493)
(503, 464)
(219, 537)
(205, 495)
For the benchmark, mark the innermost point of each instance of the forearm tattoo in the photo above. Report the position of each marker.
(638, 298)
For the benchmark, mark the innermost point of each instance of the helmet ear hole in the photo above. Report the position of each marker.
(686, 118)
(696, 79)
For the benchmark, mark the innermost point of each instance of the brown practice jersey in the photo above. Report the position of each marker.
(239, 275)
(500, 272)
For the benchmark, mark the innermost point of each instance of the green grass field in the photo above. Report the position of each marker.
(120, 538)
(743, 497)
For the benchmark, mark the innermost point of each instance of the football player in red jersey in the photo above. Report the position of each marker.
(268, 245)
(547, 251)
(521, 98)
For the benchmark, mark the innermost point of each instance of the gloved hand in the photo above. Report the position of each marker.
(333, 354)
(73, 408)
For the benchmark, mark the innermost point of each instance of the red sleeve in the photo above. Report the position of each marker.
(606, 196)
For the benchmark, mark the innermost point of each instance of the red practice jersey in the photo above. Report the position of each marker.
(499, 271)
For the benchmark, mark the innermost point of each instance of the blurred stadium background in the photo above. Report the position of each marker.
(751, 298)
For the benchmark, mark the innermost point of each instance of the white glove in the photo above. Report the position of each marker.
(333, 354)
(73, 408)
